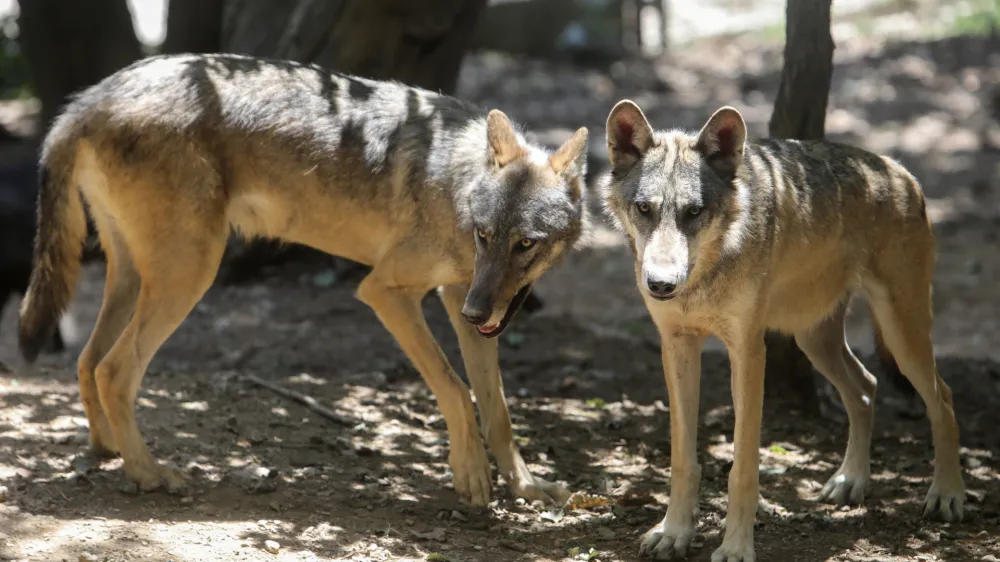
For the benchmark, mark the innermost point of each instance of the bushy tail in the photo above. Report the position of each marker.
(889, 367)
(62, 228)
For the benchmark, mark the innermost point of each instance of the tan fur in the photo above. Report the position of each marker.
(868, 234)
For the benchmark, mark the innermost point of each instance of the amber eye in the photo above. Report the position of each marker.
(642, 207)
(527, 243)
(481, 234)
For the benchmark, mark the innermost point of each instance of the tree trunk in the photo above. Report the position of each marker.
(72, 45)
(417, 42)
(193, 26)
(800, 113)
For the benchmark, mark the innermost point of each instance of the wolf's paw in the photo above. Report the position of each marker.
(846, 487)
(535, 488)
(947, 503)
(666, 542)
(157, 476)
(735, 551)
(473, 475)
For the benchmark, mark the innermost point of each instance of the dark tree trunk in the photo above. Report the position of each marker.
(800, 113)
(72, 45)
(418, 42)
(193, 26)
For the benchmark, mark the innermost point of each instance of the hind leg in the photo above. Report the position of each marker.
(174, 278)
(121, 291)
(826, 347)
(903, 308)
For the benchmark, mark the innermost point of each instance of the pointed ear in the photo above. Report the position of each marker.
(567, 160)
(502, 139)
(722, 139)
(629, 134)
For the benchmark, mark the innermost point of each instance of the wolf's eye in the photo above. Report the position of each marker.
(526, 243)
(642, 207)
(693, 210)
(480, 234)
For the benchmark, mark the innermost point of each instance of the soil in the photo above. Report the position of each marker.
(583, 376)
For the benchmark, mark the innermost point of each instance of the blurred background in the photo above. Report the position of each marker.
(918, 80)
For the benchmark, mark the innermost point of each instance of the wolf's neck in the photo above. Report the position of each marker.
(466, 163)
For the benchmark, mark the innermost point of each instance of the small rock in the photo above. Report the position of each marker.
(272, 546)
(990, 558)
(457, 516)
(4, 492)
(87, 557)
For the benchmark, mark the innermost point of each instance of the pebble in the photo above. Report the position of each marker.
(4, 492)
(87, 557)
(272, 546)
(990, 558)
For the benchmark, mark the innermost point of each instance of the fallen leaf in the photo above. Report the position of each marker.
(553, 516)
(583, 500)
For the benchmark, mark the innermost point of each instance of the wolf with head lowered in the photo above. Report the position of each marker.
(172, 152)
(734, 237)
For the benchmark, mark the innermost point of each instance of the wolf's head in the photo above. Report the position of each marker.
(528, 209)
(674, 195)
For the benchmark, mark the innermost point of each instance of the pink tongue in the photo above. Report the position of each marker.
(488, 329)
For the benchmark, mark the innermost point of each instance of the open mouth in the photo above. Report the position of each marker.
(494, 330)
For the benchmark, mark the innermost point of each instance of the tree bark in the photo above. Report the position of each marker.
(800, 113)
(418, 42)
(193, 26)
(72, 45)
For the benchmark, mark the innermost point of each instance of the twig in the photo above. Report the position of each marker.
(309, 401)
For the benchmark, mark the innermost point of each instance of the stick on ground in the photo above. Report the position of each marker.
(308, 401)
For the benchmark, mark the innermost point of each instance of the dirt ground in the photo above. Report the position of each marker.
(583, 376)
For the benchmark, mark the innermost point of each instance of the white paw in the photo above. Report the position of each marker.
(846, 487)
(947, 502)
(472, 472)
(733, 550)
(665, 541)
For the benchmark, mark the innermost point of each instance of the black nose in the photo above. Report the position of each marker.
(660, 288)
(476, 317)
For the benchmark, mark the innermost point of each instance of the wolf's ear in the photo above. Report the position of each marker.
(722, 139)
(502, 139)
(629, 134)
(570, 160)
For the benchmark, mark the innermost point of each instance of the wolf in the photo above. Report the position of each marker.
(432, 193)
(734, 237)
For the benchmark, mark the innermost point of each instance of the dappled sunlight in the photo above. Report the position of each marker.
(583, 376)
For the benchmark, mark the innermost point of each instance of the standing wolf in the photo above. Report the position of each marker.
(732, 238)
(173, 151)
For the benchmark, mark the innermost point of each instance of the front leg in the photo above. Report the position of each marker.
(682, 369)
(399, 311)
(747, 359)
(483, 368)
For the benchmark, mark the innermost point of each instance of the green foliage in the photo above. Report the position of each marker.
(982, 19)
(15, 79)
